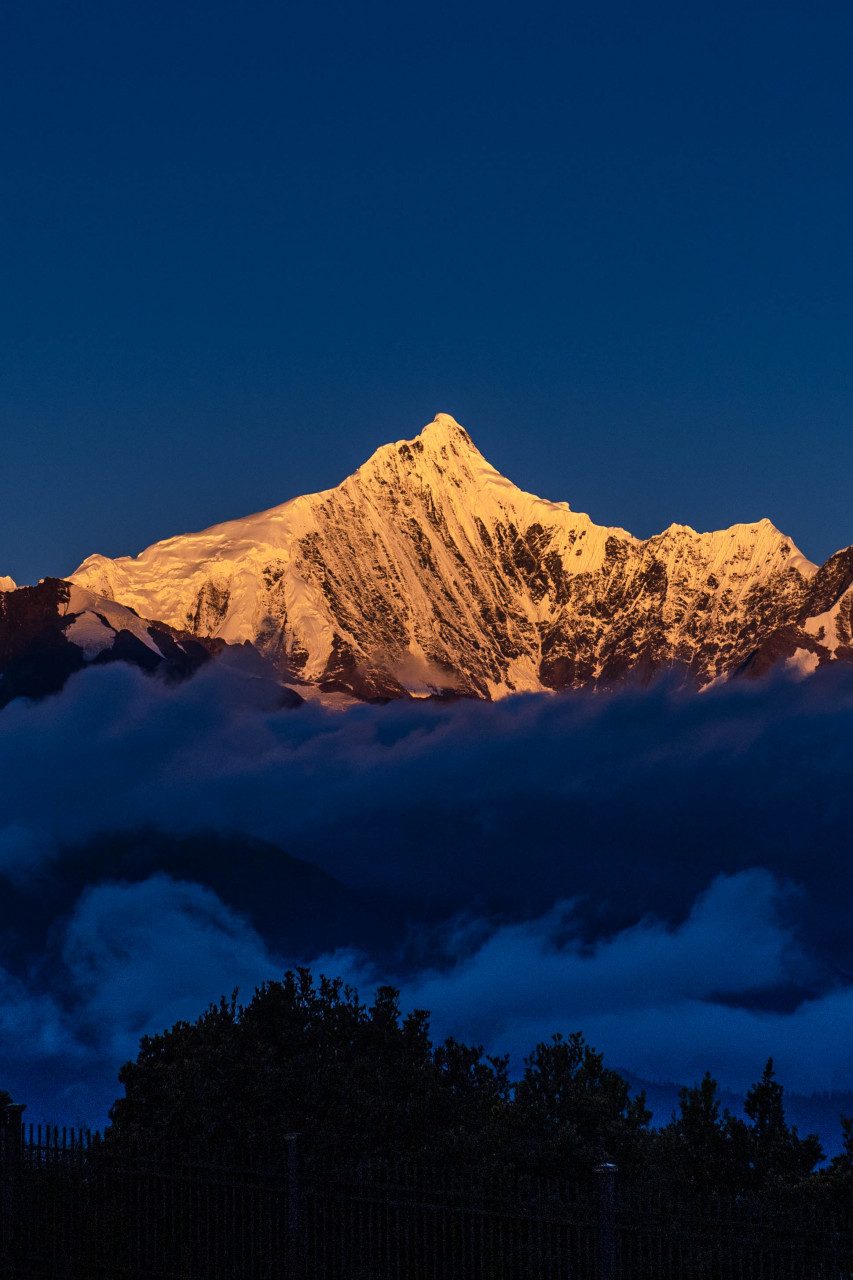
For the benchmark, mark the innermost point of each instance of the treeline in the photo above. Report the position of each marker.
(311, 1058)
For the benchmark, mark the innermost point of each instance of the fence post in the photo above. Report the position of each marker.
(11, 1159)
(292, 1208)
(606, 1214)
(12, 1134)
(12, 1128)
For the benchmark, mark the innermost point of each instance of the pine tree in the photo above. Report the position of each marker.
(776, 1151)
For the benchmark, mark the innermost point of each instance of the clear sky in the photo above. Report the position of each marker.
(245, 244)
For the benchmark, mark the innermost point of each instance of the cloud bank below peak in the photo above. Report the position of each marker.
(666, 872)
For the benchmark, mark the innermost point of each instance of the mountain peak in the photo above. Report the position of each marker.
(427, 569)
(443, 433)
(444, 424)
(442, 453)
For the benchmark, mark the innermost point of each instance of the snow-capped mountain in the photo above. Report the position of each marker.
(427, 570)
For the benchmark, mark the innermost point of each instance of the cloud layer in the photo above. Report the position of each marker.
(668, 873)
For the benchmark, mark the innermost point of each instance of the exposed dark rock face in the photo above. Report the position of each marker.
(35, 656)
(829, 584)
(40, 646)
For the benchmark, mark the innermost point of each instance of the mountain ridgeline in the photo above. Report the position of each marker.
(426, 571)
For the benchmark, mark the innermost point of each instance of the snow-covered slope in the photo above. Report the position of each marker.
(427, 570)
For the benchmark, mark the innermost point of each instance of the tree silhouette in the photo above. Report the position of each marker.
(576, 1113)
(776, 1151)
(313, 1059)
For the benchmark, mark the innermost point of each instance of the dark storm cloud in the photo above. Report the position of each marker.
(668, 873)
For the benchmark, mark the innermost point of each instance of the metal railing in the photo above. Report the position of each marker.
(76, 1207)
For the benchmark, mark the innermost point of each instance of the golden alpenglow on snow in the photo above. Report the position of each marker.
(426, 570)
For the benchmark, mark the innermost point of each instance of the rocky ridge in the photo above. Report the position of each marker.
(426, 571)
(50, 631)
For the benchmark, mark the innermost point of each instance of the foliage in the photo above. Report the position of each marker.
(315, 1060)
(574, 1112)
(841, 1166)
(311, 1058)
(702, 1147)
(707, 1149)
(776, 1152)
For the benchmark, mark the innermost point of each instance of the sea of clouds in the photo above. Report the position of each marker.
(669, 873)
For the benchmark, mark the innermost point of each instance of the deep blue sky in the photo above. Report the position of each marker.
(244, 245)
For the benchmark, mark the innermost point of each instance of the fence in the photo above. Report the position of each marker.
(379, 1221)
(73, 1208)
